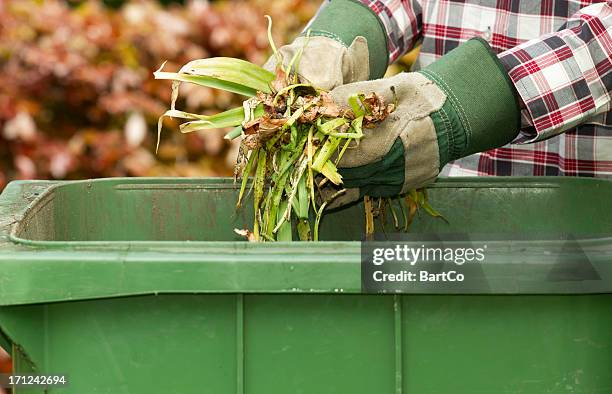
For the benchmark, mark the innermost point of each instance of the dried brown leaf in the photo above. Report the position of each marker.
(269, 126)
(248, 234)
(252, 126)
(280, 82)
(251, 142)
(377, 110)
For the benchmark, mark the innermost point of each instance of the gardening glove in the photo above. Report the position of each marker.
(339, 50)
(462, 104)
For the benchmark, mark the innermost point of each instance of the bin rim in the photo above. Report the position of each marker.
(227, 183)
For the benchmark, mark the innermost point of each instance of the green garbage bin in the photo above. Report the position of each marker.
(141, 286)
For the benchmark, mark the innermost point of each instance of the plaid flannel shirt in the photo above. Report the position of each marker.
(557, 53)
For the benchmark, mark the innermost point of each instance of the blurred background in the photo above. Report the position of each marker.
(77, 96)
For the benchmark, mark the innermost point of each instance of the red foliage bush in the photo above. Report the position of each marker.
(77, 97)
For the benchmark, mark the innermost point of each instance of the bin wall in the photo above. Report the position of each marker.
(267, 343)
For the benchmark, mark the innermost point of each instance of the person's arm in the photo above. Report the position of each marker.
(564, 78)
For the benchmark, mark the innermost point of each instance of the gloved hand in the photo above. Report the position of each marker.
(325, 62)
(461, 104)
(340, 49)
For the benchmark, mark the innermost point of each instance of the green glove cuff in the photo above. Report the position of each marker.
(482, 109)
(344, 20)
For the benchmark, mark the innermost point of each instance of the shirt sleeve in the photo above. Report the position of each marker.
(402, 20)
(564, 78)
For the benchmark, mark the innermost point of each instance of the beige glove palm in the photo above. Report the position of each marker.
(400, 153)
(325, 62)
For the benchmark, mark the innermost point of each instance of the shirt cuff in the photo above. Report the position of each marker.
(550, 84)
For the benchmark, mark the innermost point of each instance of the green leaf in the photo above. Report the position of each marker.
(431, 211)
(232, 75)
(325, 153)
(303, 200)
(284, 231)
(294, 155)
(232, 117)
(355, 101)
(260, 177)
(330, 172)
(208, 82)
(303, 229)
(276, 195)
(235, 133)
(296, 59)
(245, 175)
(357, 126)
(286, 89)
(279, 57)
(319, 213)
(232, 70)
(328, 127)
(296, 175)
(298, 112)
